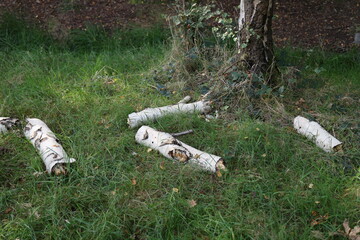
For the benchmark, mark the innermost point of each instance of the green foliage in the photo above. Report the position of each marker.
(194, 22)
(14, 34)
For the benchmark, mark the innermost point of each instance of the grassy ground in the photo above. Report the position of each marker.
(279, 185)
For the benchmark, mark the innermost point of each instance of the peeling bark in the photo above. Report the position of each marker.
(47, 145)
(255, 36)
(176, 150)
(313, 131)
(150, 114)
(7, 123)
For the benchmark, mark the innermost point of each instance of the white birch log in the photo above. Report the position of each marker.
(174, 149)
(150, 114)
(47, 145)
(312, 130)
(7, 123)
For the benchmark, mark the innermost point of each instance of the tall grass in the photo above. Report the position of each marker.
(84, 89)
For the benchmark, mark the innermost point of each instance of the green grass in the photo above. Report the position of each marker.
(85, 88)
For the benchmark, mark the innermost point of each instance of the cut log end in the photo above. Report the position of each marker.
(8, 123)
(338, 148)
(220, 165)
(59, 169)
(220, 168)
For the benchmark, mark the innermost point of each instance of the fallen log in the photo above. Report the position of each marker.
(7, 123)
(176, 150)
(47, 145)
(313, 131)
(136, 119)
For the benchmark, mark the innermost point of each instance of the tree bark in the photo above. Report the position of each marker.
(255, 40)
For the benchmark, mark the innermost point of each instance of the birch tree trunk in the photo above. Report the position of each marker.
(48, 146)
(176, 150)
(255, 40)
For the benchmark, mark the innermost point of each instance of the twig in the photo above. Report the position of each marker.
(182, 133)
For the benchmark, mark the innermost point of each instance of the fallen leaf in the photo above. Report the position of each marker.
(263, 155)
(162, 165)
(311, 185)
(300, 102)
(134, 154)
(175, 190)
(133, 181)
(319, 219)
(352, 234)
(37, 174)
(8, 210)
(37, 215)
(26, 205)
(192, 203)
(314, 213)
(318, 235)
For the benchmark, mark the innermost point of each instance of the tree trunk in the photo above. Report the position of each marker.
(255, 37)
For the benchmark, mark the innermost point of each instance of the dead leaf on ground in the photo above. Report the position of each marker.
(162, 167)
(318, 235)
(8, 210)
(192, 203)
(319, 218)
(351, 234)
(37, 215)
(133, 181)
